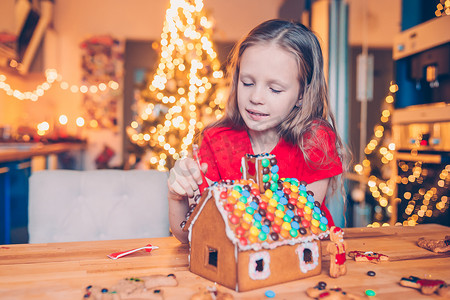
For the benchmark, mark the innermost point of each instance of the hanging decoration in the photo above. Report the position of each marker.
(184, 92)
(102, 61)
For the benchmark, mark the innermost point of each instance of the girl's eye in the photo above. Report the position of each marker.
(275, 91)
(247, 84)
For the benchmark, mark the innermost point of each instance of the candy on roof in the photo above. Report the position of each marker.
(283, 213)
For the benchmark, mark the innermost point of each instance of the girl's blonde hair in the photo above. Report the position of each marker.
(314, 111)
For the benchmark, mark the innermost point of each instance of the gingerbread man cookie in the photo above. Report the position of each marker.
(373, 257)
(437, 246)
(337, 249)
(211, 293)
(426, 286)
(321, 292)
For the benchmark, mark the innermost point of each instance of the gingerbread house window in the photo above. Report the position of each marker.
(308, 256)
(259, 265)
(212, 257)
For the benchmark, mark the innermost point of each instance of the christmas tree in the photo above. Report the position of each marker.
(402, 192)
(184, 93)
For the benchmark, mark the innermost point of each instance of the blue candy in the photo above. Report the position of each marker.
(274, 169)
(245, 193)
(269, 294)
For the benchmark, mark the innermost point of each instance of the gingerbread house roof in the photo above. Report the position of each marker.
(255, 220)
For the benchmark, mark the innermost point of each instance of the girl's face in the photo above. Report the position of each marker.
(268, 86)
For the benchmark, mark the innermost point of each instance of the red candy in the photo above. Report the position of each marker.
(240, 231)
(234, 219)
(287, 191)
(305, 223)
(255, 192)
(228, 207)
(224, 195)
(243, 241)
(300, 212)
(263, 205)
(270, 216)
(292, 201)
(276, 228)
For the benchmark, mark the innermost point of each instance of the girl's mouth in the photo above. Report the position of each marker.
(256, 114)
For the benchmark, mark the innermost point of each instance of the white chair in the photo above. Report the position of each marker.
(66, 206)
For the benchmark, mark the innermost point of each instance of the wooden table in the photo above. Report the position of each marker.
(63, 270)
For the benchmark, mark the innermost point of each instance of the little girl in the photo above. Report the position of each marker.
(278, 104)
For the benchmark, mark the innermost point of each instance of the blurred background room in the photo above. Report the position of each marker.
(126, 85)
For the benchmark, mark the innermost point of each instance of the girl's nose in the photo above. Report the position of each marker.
(257, 96)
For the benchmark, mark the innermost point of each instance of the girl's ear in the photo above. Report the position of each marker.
(299, 103)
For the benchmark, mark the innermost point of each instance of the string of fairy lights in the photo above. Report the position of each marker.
(384, 190)
(180, 37)
(442, 8)
(52, 78)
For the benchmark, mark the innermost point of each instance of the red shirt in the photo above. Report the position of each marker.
(222, 149)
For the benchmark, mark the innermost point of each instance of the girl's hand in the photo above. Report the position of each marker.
(185, 178)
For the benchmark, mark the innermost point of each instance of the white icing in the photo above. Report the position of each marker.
(252, 272)
(306, 267)
(214, 191)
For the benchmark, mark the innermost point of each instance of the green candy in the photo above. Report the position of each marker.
(280, 207)
(273, 187)
(265, 162)
(257, 224)
(303, 193)
(276, 197)
(316, 216)
(262, 236)
(293, 232)
(275, 177)
(287, 219)
(237, 188)
(250, 210)
(370, 293)
(323, 227)
(243, 199)
(266, 178)
(310, 205)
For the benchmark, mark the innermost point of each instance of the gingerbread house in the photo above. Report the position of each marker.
(256, 231)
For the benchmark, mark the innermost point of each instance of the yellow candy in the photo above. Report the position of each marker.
(279, 213)
(302, 199)
(248, 218)
(294, 188)
(268, 193)
(235, 194)
(286, 226)
(307, 210)
(315, 223)
(241, 206)
(273, 202)
(254, 231)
